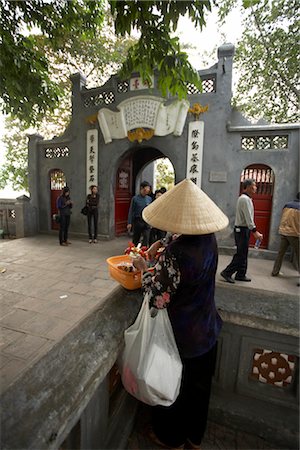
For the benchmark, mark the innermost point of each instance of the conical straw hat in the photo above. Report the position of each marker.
(185, 209)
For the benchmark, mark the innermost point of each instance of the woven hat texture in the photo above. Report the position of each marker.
(185, 209)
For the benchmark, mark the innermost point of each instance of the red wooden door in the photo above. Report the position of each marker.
(262, 200)
(57, 183)
(123, 195)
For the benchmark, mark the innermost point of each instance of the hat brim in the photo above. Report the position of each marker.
(185, 209)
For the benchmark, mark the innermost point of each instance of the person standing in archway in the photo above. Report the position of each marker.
(64, 206)
(243, 226)
(141, 230)
(92, 203)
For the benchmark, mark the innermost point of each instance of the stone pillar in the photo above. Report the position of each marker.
(224, 81)
(78, 82)
(33, 171)
(26, 217)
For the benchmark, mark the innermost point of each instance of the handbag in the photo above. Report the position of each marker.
(56, 218)
(84, 210)
(150, 365)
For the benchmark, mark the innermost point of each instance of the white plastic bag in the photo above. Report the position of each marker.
(150, 365)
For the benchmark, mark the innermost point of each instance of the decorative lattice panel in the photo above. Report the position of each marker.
(57, 152)
(264, 142)
(103, 98)
(122, 87)
(12, 213)
(208, 85)
(273, 367)
(263, 176)
(57, 180)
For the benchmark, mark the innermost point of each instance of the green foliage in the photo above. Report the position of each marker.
(14, 171)
(26, 89)
(98, 59)
(164, 174)
(267, 58)
(155, 20)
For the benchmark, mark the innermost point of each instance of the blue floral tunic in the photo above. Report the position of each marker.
(184, 282)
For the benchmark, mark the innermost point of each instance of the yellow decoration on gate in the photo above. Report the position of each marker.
(92, 120)
(198, 109)
(140, 134)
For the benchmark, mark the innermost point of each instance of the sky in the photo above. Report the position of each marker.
(204, 42)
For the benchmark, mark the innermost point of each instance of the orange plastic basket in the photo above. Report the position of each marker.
(129, 280)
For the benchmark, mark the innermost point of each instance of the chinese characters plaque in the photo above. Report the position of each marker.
(195, 152)
(91, 159)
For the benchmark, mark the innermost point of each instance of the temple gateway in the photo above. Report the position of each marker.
(119, 129)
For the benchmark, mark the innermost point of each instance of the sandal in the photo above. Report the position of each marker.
(152, 436)
(192, 446)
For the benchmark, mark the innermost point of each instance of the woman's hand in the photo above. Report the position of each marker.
(139, 263)
(151, 252)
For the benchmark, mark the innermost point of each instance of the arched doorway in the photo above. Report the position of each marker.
(127, 175)
(262, 200)
(57, 183)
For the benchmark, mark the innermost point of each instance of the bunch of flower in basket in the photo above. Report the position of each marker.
(138, 250)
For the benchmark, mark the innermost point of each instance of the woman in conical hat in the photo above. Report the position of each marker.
(184, 282)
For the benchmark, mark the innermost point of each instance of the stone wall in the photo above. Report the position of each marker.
(224, 154)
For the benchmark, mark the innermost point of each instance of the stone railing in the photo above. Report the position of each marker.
(7, 218)
(17, 218)
(72, 398)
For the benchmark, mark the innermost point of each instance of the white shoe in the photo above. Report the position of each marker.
(95, 241)
(90, 241)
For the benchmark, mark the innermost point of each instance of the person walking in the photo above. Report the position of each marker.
(92, 203)
(184, 283)
(64, 206)
(141, 229)
(243, 226)
(289, 230)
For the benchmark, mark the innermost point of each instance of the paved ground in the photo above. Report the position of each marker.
(216, 437)
(46, 289)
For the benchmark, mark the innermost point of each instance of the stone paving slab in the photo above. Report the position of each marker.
(47, 289)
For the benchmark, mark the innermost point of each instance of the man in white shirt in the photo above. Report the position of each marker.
(243, 226)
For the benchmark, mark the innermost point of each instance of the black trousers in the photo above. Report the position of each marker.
(186, 419)
(141, 232)
(156, 235)
(64, 228)
(239, 261)
(92, 216)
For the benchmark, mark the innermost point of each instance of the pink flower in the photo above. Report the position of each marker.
(166, 297)
(162, 300)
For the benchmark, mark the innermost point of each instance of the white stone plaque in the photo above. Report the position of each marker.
(217, 177)
(143, 111)
(91, 159)
(195, 152)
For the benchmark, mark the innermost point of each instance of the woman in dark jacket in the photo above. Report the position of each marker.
(64, 206)
(184, 282)
(92, 203)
